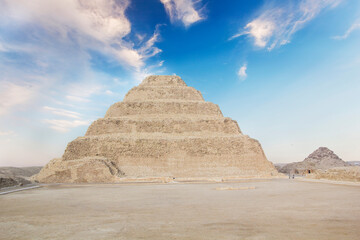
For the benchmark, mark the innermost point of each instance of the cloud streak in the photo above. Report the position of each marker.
(242, 72)
(274, 26)
(355, 26)
(62, 125)
(184, 11)
(62, 112)
(73, 119)
(12, 95)
(7, 133)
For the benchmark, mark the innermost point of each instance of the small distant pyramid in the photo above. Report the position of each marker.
(325, 156)
(162, 128)
(322, 158)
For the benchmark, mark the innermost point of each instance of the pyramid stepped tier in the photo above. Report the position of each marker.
(143, 146)
(157, 108)
(163, 128)
(157, 88)
(163, 80)
(153, 93)
(176, 126)
(177, 156)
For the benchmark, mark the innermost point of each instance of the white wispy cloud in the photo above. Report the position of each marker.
(148, 49)
(62, 112)
(7, 133)
(62, 125)
(119, 82)
(109, 92)
(91, 24)
(184, 11)
(77, 99)
(353, 27)
(161, 63)
(242, 72)
(82, 91)
(274, 26)
(72, 119)
(13, 95)
(2, 47)
(56, 40)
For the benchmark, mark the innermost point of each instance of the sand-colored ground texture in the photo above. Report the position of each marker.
(251, 209)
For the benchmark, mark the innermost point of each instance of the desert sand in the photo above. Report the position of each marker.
(250, 209)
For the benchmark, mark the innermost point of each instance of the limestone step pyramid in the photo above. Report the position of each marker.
(162, 129)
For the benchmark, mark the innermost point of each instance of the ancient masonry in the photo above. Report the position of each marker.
(162, 129)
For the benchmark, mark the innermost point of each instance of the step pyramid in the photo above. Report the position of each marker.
(162, 129)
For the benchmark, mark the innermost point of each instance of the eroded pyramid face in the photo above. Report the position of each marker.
(162, 128)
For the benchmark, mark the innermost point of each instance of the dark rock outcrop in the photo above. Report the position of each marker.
(7, 182)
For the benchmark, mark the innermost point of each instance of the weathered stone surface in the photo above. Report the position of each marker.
(349, 173)
(88, 169)
(162, 129)
(163, 80)
(162, 107)
(174, 126)
(148, 93)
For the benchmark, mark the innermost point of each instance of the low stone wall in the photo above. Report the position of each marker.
(351, 173)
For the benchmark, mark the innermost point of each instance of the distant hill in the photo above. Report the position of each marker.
(278, 166)
(354, 163)
(322, 158)
(12, 176)
(23, 171)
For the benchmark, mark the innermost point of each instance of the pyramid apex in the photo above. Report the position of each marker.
(323, 152)
(163, 80)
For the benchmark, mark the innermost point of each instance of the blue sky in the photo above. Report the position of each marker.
(288, 71)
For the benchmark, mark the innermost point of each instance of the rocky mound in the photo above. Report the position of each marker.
(162, 128)
(323, 158)
(19, 171)
(14, 176)
(7, 182)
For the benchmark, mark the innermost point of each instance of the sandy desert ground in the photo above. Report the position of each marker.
(254, 209)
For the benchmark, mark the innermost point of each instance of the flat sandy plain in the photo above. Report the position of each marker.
(254, 209)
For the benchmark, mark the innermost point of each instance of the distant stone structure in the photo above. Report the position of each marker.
(322, 158)
(348, 173)
(162, 129)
